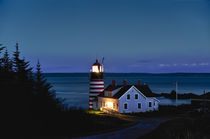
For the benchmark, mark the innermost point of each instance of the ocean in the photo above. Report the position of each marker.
(73, 88)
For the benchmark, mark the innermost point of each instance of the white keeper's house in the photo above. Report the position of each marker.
(127, 98)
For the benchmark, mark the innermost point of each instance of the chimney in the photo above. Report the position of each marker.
(124, 82)
(139, 82)
(113, 82)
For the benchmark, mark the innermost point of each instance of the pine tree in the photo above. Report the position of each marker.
(1, 48)
(41, 83)
(6, 62)
(21, 67)
(47, 101)
(16, 58)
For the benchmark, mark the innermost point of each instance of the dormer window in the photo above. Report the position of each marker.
(136, 96)
(128, 96)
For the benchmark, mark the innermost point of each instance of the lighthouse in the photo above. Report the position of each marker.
(96, 84)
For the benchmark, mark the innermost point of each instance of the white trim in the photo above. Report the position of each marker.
(95, 94)
(97, 82)
(151, 104)
(139, 92)
(96, 86)
(91, 98)
(127, 97)
(135, 89)
(124, 106)
(124, 93)
(135, 96)
(96, 90)
(138, 105)
(154, 98)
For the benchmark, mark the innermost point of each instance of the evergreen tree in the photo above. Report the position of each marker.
(47, 100)
(41, 83)
(21, 67)
(1, 48)
(6, 62)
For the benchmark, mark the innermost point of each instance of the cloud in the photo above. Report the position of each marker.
(193, 64)
(204, 64)
(164, 65)
(185, 64)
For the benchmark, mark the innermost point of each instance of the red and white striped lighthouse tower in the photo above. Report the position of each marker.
(96, 84)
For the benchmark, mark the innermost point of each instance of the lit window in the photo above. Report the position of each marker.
(136, 96)
(139, 105)
(95, 68)
(125, 106)
(110, 105)
(128, 96)
(150, 104)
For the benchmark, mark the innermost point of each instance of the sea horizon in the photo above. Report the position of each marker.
(74, 87)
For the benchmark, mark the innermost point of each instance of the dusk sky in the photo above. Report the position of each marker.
(153, 36)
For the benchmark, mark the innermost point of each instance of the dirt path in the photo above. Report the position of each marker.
(144, 126)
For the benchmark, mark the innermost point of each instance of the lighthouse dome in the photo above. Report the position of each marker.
(96, 63)
(97, 67)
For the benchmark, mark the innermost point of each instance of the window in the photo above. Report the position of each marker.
(139, 105)
(125, 106)
(150, 104)
(128, 96)
(136, 96)
(154, 103)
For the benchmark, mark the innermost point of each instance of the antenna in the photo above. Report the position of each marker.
(96, 56)
(102, 64)
(102, 61)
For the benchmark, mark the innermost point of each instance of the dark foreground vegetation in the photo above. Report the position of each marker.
(195, 126)
(186, 123)
(30, 107)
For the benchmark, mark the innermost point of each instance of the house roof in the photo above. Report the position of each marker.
(111, 87)
(144, 89)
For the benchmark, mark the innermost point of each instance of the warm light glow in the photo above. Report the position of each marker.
(109, 105)
(95, 69)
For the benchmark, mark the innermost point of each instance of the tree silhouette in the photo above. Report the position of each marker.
(6, 62)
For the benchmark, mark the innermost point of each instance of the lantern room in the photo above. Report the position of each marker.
(97, 67)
